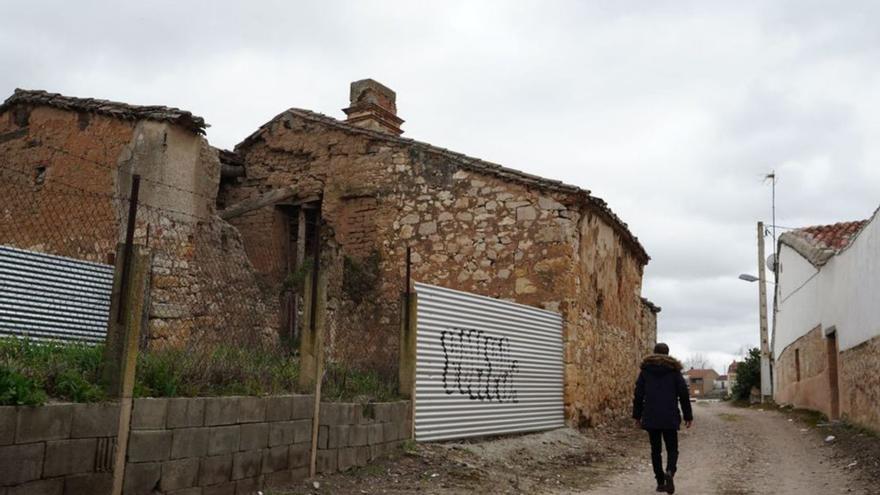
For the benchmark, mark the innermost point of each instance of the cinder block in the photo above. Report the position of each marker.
(399, 411)
(326, 461)
(43, 487)
(89, 484)
(275, 459)
(196, 490)
(149, 414)
(181, 473)
(347, 458)
(377, 451)
(363, 456)
(141, 478)
(7, 424)
(189, 442)
(365, 414)
(323, 436)
(300, 455)
(302, 430)
(221, 411)
(223, 439)
(390, 431)
(21, 463)
(374, 433)
(41, 423)
(279, 408)
(185, 413)
(340, 436)
(251, 410)
(254, 436)
(149, 445)
(359, 435)
(247, 464)
(278, 479)
(69, 457)
(216, 469)
(95, 420)
(383, 412)
(282, 433)
(249, 486)
(303, 406)
(336, 413)
(221, 489)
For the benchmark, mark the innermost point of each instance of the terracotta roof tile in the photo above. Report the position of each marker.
(114, 109)
(836, 236)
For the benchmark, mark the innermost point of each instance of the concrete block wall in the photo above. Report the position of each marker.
(58, 448)
(191, 446)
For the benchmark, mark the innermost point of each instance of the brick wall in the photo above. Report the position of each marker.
(192, 446)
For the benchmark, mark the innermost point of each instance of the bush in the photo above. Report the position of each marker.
(67, 371)
(748, 375)
(345, 384)
(18, 390)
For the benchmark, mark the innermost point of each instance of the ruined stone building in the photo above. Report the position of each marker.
(66, 166)
(472, 225)
(826, 343)
(232, 233)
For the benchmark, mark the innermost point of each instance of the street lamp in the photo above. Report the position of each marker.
(748, 278)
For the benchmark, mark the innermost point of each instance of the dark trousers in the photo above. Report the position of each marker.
(658, 437)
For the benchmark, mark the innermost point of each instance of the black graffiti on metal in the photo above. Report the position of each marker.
(478, 365)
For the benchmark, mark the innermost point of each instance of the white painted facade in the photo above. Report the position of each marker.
(843, 293)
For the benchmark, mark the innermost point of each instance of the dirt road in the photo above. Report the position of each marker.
(738, 451)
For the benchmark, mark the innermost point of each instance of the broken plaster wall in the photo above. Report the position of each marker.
(468, 230)
(67, 178)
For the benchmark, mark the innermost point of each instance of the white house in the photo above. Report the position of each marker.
(826, 341)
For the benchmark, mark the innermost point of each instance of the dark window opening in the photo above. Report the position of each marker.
(797, 364)
(39, 176)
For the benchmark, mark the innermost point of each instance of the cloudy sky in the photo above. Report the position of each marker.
(671, 113)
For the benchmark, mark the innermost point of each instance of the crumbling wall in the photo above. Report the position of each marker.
(809, 387)
(859, 376)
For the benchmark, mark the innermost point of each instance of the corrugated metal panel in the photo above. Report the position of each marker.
(53, 297)
(484, 366)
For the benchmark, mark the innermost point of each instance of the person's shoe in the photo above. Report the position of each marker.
(661, 486)
(670, 486)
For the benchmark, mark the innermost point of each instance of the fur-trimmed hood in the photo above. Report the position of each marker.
(663, 361)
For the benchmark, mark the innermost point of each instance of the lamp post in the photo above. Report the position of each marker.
(766, 383)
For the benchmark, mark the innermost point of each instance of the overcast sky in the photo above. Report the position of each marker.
(671, 114)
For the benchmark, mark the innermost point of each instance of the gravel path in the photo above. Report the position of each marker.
(736, 451)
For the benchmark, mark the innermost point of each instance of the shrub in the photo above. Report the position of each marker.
(345, 384)
(748, 375)
(18, 390)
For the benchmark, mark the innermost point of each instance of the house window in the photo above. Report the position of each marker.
(797, 364)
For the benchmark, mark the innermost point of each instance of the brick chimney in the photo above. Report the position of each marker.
(373, 107)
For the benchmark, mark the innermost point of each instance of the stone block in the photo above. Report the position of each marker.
(279, 408)
(21, 463)
(185, 413)
(323, 436)
(249, 486)
(149, 445)
(282, 433)
(89, 484)
(303, 406)
(216, 469)
(340, 436)
(251, 410)
(221, 411)
(365, 414)
(359, 435)
(326, 461)
(275, 459)
(377, 451)
(337, 413)
(247, 464)
(363, 455)
(8, 416)
(41, 423)
(180, 473)
(95, 420)
(69, 457)
(149, 414)
(189, 442)
(254, 436)
(223, 439)
(196, 490)
(374, 433)
(141, 478)
(390, 431)
(300, 455)
(221, 489)
(279, 479)
(347, 458)
(43, 487)
(382, 411)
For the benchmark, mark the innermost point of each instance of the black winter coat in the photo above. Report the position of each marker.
(660, 389)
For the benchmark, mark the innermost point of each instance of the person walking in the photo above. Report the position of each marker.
(660, 390)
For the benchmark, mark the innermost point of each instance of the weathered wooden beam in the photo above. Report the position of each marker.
(269, 198)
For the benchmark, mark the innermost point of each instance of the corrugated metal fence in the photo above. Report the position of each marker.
(484, 366)
(53, 297)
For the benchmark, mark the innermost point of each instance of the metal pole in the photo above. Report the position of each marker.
(762, 305)
(408, 290)
(129, 239)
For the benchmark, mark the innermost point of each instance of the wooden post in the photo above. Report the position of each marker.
(766, 390)
(121, 349)
(407, 368)
(316, 331)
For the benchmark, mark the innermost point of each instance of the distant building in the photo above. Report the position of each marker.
(721, 384)
(827, 338)
(731, 376)
(701, 381)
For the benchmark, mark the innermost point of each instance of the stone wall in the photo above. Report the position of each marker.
(59, 448)
(192, 446)
(812, 390)
(469, 229)
(859, 375)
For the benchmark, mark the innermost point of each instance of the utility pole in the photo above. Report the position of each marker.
(766, 390)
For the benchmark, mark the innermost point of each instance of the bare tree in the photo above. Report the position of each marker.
(696, 360)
